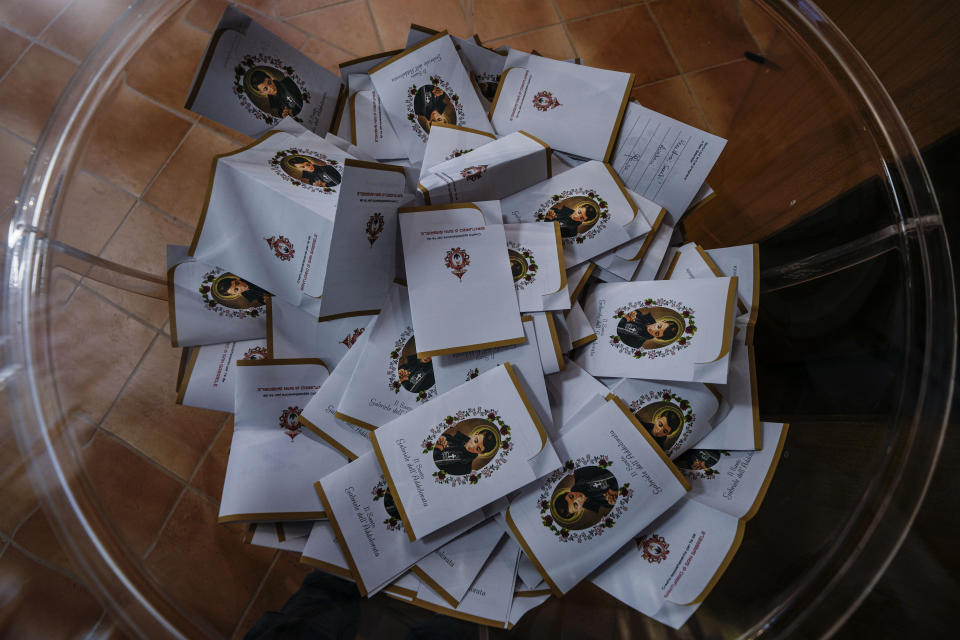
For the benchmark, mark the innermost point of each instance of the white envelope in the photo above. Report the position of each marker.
(367, 526)
(590, 205)
(242, 53)
(450, 570)
(208, 373)
(448, 141)
(290, 536)
(572, 108)
(209, 305)
(734, 482)
(370, 129)
(427, 83)
(461, 291)
(581, 332)
(297, 334)
(659, 330)
(273, 462)
(489, 172)
(537, 265)
(614, 482)
(323, 551)
(462, 451)
(737, 424)
(677, 415)
(548, 341)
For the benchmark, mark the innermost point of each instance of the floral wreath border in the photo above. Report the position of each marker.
(549, 485)
(666, 395)
(532, 267)
(541, 213)
(681, 343)
(262, 59)
(436, 81)
(299, 151)
(506, 446)
(209, 303)
(378, 492)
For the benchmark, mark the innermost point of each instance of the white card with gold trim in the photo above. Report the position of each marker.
(488, 600)
(573, 108)
(390, 378)
(208, 374)
(320, 414)
(461, 291)
(427, 83)
(570, 391)
(737, 424)
(586, 201)
(734, 482)
(677, 415)
(456, 369)
(490, 172)
(742, 261)
(654, 257)
(368, 527)
(537, 266)
(677, 559)
(450, 570)
(484, 66)
(548, 341)
(250, 79)
(273, 462)
(370, 129)
(614, 481)
(297, 334)
(209, 305)
(323, 551)
(522, 605)
(462, 450)
(579, 327)
(660, 330)
(448, 141)
(285, 536)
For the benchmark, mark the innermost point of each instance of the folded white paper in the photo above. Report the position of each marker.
(370, 129)
(737, 424)
(323, 551)
(297, 334)
(273, 462)
(450, 570)
(537, 265)
(368, 527)
(250, 79)
(548, 341)
(614, 482)
(451, 264)
(207, 380)
(659, 330)
(448, 141)
(427, 83)
(588, 203)
(289, 536)
(572, 108)
(462, 450)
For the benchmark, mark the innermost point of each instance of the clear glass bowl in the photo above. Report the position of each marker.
(820, 169)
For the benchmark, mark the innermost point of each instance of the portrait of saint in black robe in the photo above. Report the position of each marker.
(574, 216)
(236, 293)
(321, 176)
(431, 104)
(455, 457)
(636, 328)
(669, 420)
(276, 97)
(595, 489)
(419, 375)
(390, 506)
(697, 459)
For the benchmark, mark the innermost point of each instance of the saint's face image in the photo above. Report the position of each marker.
(650, 327)
(466, 446)
(697, 459)
(273, 92)
(431, 104)
(414, 373)
(518, 264)
(489, 89)
(236, 293)
(310, 170)
(662, 420)
(575, 215)
(584, 497)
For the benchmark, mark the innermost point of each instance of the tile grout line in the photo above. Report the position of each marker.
(676, 62)
(79, 284)
(376, 27)
(183, 491)
(566, 31)
(63, 10)
(35, 40)
(126, 383)
(284, 19)
(157, 103)
(739, 7)
(128, 445)
(256, 592)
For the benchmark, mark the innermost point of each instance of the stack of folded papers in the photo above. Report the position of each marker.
(470, 365)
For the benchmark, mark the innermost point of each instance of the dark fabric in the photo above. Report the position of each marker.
(594, 482)
(455, 459)
(421, 375)
(634, 334)
(568, 226)
(327, 175)
(255, 294)
(286, 97)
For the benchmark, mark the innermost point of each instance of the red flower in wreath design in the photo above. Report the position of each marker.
(653, 548)
(544, 101)
(457, 260)
(351, 339)
(474, 173)
(282, 247)
(290, 421)
(374, 227)
(255, 353)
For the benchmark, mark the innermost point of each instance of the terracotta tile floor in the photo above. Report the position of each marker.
(158, 467)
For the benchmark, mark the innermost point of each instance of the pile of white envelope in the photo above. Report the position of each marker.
(466, 366)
